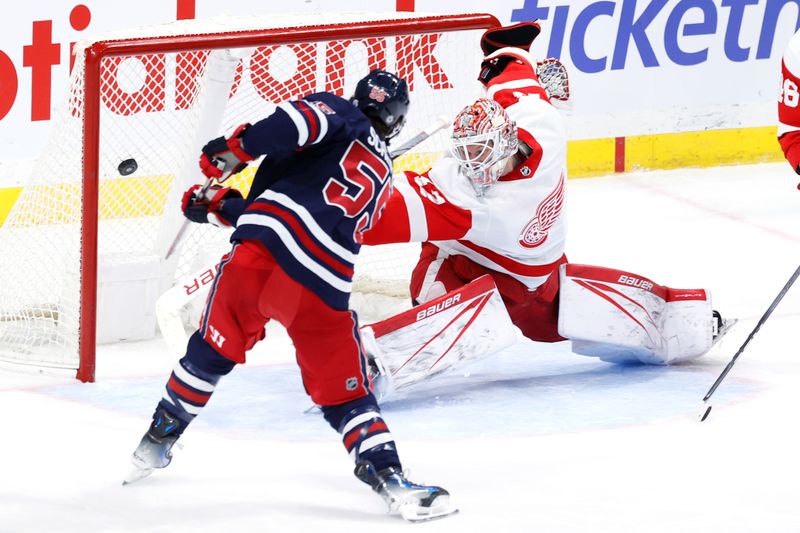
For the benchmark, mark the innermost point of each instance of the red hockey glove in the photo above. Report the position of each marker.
(222, 158)
(207, 208)
(516, 36)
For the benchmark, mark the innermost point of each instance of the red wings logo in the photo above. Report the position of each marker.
(547, 212)
(378, 93)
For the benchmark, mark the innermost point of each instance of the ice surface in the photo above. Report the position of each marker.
(535, 439)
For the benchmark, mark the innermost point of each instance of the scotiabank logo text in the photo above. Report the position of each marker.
(161, 83)
(276, 73)
(639, 25)
(41, 55)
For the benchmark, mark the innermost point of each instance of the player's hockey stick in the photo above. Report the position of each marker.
(220, 164)
(170, 303)
(185, 224)
(440, 123)
(706, 406)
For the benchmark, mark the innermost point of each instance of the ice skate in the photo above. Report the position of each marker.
(721, 326)
(155, 448)
(413, 502)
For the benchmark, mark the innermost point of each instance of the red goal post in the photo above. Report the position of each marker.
(133, 98)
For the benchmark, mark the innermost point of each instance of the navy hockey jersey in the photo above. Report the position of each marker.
(324, 178)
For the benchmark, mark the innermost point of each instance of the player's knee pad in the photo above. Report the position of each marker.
(193, 380)
(620, 316)
(338, 415)
(202, 358)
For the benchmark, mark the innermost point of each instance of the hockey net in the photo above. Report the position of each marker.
(84, 245)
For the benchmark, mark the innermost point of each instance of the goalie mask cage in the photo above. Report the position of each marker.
(83, 247)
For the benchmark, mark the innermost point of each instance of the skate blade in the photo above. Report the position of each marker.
(440, 508)
(136, 474)
(726, 327)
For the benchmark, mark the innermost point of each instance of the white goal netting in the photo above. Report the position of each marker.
(156, 109)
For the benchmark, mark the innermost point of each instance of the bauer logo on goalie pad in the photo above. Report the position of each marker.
(433, 309)
(446, 333)
(620, 317)
(635, 282)
(206, 277)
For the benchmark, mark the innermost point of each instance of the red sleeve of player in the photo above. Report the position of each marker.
(789, 116)
(517, 79)
(417, 211)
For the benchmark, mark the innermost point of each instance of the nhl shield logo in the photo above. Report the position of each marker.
(351, 383)
(525, 171)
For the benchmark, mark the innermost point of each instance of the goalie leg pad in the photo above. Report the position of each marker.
(444, 334)
(620, 316)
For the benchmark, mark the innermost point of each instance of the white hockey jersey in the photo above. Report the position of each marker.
(518, 226)
(789, 103)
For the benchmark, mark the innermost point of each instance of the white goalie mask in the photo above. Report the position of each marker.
(483, 139)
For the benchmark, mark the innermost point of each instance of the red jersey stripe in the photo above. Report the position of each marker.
(300, 233)
(183, 392)
(311, 118)
(515, 267)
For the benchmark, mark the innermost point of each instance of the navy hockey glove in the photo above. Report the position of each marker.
(222, 158)
(208, 207)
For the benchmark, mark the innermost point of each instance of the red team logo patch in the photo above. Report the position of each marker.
(547, 212)
(378, 93)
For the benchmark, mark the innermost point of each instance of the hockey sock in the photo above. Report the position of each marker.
(364, 433)
(193, 381)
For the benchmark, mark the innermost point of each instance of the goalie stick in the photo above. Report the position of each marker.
(169, 304)
(706, 407)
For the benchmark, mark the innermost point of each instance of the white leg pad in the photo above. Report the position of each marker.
(620, 316)
(443, 334)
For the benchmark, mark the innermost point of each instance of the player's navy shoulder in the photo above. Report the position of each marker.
(331, 104)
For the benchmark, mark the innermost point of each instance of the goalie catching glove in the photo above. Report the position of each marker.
(207, 208)
(222, 158)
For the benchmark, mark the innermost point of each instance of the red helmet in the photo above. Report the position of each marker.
(483, 138)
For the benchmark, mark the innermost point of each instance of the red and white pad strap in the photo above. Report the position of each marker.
(443, 334)
(617, 316)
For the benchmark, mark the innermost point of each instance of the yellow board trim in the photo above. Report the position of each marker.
(594, 157)
(7, 198)
(703, 148)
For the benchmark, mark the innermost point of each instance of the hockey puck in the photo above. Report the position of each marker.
(705, 414)
(127, 167)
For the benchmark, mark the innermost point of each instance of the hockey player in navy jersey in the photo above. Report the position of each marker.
(325, 176)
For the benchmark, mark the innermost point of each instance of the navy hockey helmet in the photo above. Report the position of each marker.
(383, 97)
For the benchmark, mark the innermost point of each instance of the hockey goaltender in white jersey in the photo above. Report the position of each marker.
(491, 220)
(496, 207)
